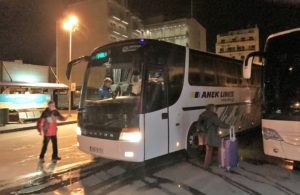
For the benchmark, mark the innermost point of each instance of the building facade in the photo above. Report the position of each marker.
(238, 44)
(185, 32)
(100, 22)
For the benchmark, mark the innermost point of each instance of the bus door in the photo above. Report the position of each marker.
(156, 112)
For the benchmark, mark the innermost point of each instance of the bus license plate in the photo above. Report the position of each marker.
(96, 149)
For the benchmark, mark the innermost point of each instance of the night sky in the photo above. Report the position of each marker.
(27, 27)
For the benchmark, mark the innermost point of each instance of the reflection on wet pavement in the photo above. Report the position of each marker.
(171, 174)
(78, 173)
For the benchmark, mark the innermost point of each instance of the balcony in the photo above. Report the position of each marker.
(237, 49)
(234, 40)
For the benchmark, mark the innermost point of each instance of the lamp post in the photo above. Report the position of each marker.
(70, 25)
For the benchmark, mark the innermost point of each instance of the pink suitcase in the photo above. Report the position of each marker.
(229, 151)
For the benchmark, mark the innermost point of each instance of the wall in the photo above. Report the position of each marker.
(25, 72)
(197, 35)
(192, 32)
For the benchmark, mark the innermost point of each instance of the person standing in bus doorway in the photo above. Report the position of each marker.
(105, 90)
(47, 126)
(211, 134)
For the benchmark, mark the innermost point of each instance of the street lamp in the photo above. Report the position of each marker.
(70, 25)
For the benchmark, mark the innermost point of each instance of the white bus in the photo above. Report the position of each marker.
(281, 94)
(159, 89)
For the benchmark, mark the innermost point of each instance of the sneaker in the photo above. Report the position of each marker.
(42, 160)
(56, 159)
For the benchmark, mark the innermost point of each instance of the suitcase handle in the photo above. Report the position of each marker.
(232, 133)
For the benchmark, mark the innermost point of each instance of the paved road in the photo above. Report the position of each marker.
(79, 173)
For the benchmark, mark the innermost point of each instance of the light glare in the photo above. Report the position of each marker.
(78, 131)
(71, 23)
(129, 154)
(130, 136)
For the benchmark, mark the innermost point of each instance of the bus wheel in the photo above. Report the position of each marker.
(193, 150)
(296, 166)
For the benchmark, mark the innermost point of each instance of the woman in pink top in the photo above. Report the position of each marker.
(48, 128)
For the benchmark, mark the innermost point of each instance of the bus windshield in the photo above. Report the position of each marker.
(281, 78)
(117, 104)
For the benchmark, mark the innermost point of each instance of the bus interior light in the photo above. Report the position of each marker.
(271, 134)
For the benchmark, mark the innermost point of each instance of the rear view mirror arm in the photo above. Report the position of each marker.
(74, 62)
(253, 54)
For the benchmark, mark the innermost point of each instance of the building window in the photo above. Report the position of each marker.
(252, 47)
(231, 49)
(221, 50)
(251, 38)
(243, 39)
(222, 41)
(113, 38)
(113, 25)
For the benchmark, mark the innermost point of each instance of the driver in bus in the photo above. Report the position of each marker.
(136, 83)
(105, 90)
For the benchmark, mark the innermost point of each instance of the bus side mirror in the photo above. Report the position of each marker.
(247, 64)
(74, 62)
(247, 67)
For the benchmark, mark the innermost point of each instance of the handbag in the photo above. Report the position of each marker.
(201, 139)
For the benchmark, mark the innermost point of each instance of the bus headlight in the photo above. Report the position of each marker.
(78, 130)
(131, 135)
(271, 134)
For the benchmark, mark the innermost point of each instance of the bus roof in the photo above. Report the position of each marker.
(143, 41)
(34, 85)
(283, 33)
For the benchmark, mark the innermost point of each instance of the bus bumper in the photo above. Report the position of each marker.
(281, 138)
(112, 149)
(281, 149)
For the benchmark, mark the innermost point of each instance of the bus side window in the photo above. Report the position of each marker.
(227, 73)
(195, 72)
(208, 64)
(202, 69)
(233, 74)
(221, 73)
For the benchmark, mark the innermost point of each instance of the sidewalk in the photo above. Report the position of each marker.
(13, 127)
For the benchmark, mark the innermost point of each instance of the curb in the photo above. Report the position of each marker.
(34, 127)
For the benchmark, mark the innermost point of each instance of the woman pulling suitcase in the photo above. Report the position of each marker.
(209, 124)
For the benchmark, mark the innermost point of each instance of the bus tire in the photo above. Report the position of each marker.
(296, 166)
(193, 150)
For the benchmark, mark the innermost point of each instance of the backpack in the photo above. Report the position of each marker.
(43, 129)
(38, 125)
(202, 123)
